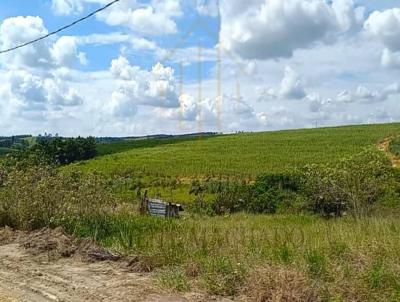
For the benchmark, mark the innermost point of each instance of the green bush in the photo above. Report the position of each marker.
(40, 196)
(394, 146)
(265, 203)
(354, 184)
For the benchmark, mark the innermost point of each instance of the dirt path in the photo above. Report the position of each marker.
(384, 146)
(26, 275)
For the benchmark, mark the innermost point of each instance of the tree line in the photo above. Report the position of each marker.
(59, 151)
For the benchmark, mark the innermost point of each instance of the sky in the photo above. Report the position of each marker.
(173, 66)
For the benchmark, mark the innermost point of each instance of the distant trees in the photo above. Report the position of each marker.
(64, 151)
(14, 142)
(57, 150)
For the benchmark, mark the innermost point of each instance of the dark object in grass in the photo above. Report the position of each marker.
(159, 208)
(102, 255)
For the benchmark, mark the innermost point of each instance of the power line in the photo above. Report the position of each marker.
(60, 29)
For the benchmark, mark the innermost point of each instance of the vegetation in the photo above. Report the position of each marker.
(244, 156)
(40, 196)
(394, 146)
(59, 151)
(12, 143)
(106, 147)
(170, 170)
(354, 184)
(268, 238)
(4, 151)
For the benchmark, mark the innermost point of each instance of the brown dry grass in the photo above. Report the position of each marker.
(279, 284)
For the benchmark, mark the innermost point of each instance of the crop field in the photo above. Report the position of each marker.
(241, 155)
(129, 144)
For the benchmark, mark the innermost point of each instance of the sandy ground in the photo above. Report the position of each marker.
(384, 146)
(36, 268)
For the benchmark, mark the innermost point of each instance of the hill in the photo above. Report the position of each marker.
(244, 155)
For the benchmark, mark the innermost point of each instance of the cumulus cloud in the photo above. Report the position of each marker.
(18, 30)
(46, 53)
(242, 108)
(28, 92)
(64, 51)
(66, 7)
(362, 94)
(155, 19)
(291, 87)
(276, 117)
(264, 29)
(385, 27)
(30, 85)
(189, 110)
(136, 86)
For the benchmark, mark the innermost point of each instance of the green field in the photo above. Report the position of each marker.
(241, 155)
(129, 144)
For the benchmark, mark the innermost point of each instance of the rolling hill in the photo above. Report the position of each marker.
(243, 155)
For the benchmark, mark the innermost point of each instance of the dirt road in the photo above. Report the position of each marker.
(384, 146)
(31, 271)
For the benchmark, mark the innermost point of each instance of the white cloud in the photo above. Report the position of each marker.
(155, 19)
(276, 117)
(242, 109)
(18, 30)
(363, 94)
(385, 27)
(263, 29)
(46, 53)
(28, 92)
(344, 97)
(31, 88)
(190, 109)
(291, 87)
(67, 7)
(390, 58)
(64, 51)
(135, 86)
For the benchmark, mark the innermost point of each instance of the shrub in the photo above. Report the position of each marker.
(354, 184)
(265, 203)
(232, 199)
(280, 181)
(394, 146)
(40, 196)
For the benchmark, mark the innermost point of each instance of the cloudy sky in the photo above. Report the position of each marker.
(173, 66)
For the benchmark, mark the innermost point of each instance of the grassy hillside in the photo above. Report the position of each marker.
(244, 155)
(4, 151)
(129, 144)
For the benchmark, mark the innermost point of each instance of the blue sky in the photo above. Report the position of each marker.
(284, 64)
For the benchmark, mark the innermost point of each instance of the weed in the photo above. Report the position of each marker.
(222, 276)
(316, 263)
(174, 279)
